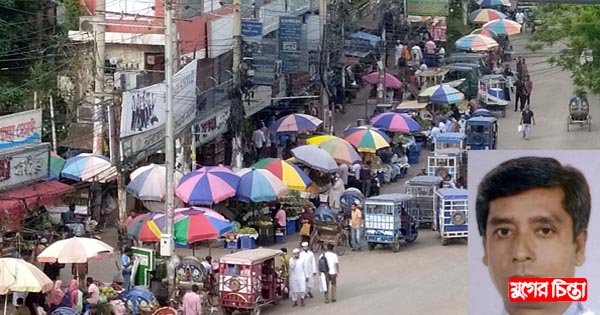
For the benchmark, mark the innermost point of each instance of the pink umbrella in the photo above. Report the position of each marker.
(182, 212)
(208, 185)
(391, 82)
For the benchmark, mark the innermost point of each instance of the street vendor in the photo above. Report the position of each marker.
(306, 222)
(280, 217)
(127, 261)
(93, 294)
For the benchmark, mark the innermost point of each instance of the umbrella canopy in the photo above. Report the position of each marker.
(291, 175)
(57, 163)
(493, 3)
(149, 182)
(74, 250)
(395, 122)
(208, 185)
(296, 123)
(367, 139)
(482, 16)
(341, 150)
(446, 94)
(391, 82)
(315, 157)
(17, 275)
(485, 31)
(503, 27)
(476, 42)
(258, 185)
(88, 167)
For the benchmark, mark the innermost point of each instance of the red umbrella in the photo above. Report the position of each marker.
(391, 82)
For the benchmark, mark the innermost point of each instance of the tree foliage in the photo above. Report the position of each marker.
(574, 28)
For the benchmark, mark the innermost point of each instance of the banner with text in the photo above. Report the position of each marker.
(143, 113)
(20, 129)
(427, 7)
(290, 40)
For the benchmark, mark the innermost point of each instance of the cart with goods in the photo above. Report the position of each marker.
(423, 189)
(387, 222)
(491, 93)
(249, 280)
(330, 228)
(247, 237)
(451, 214)
(579, 113)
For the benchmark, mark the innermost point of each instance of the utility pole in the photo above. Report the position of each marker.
(116, 158)
(166, 241)
(465, 9)
(381, 64)
(237, 84)
(324, 62)
(53, 123)
(99, 32)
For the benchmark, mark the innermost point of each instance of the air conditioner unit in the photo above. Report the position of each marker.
(85, 23)
(120, 79)
(133, 80)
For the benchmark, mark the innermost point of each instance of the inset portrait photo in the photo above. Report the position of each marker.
(534, 216)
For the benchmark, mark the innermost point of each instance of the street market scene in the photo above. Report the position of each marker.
(285, 156)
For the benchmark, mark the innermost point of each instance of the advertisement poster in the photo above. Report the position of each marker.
(290, 37)
(20, 129)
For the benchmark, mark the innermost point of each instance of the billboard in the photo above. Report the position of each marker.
(427, 7)
(24, 164)
(290, 38)
(20, 129)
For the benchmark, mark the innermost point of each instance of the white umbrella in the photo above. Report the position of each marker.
(315, 157)
(17, 275)
(149, 182)
(75, 250)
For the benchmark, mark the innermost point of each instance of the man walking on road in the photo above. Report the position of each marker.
(310, 264)
(356, 225)
(527, 120)
(519, 94)
(298, 278)
(329, 267)
(528, 89)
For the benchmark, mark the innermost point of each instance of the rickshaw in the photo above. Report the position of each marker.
(449, 140)
(491, 93)
(482, 133)
(188, 272)
(451, 217)
(330, 228)
(387, 221)
(249, 280)
(579, 113)
(350, 196)
(141, 301)
(423, 188)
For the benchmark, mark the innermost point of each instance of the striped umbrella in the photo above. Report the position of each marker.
(476, 42)
(367, 139)
(485, 31)
(208, 185)
(296, 123)
(493, 3)
(503, 27)
(291, 175)
(482, 16)
(341, 150)
(57, 163)
(149, 182)
(395, 122)
(258, 185)
(88, 167)
(446, 94)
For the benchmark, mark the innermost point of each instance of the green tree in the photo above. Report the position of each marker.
(574, 28)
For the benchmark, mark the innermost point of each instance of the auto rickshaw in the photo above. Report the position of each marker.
(452, 214)
(249, 280)
(423, 188)
(330, 228)
(188, 272)
(141, 301)
(482, 133)
(387, 221)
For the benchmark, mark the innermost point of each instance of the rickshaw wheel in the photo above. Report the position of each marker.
(396, 247)
(444, 241)
(227, 311)
(342, 245)
(255, 311)
(371, 246)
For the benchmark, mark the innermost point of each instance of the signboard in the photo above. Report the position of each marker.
(290, 37)
(20, 129)
(251, 29)
(144, 112)
(145, 259)
(24, 164)
(209, 128)
(427, 7)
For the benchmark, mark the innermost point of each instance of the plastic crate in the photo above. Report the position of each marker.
(280, 239)
(232, 245)
(247, 242)
(290, 227)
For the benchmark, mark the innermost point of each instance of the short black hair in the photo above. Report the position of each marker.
(19, 301)
(330, 247)
(195, 288)
(519, 175)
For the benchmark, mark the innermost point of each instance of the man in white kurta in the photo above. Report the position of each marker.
(310, 264)
(298, 278)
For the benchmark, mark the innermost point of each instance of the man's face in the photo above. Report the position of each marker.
(531, 235)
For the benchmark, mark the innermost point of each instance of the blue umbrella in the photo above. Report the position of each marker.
(446, 94)
(88, 167)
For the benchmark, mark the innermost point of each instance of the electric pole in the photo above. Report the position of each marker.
(53, 122)
(382, 64)
(237, 84)
(324, 63)
(99, 32)
(167, 237)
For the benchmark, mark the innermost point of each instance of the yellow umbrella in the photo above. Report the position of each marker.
(317, 140)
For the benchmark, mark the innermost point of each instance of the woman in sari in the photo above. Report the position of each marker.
(56, 295)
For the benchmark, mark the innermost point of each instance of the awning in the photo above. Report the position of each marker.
(14, 203)
(80, 137)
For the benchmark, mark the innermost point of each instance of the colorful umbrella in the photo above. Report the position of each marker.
(291, 175)
(315, 157)
(367, 139)
(149, 182)
(476, 42)
(493, 3)
(258, 185)
(395, 122)
(296, 123)
(57, 163)
(446, 94)
(503, 27)
(485, 15)
(391, 82)
(88, 167)
(341, 150)
(485, 31)
(208, 185)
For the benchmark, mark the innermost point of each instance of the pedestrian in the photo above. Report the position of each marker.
(365, 178)
(79, 272)
(416, 55)
(329, 267)
(71, 298)
(519, 68)
(335, 193)
(398, 54)
(524, 69)
(192, 303)
(306, 222)
(519, 94)
(298, 278)
(258, 139)
(280, 217)
(284, 266)
(343, 170)
(527, 120)
(310, 264)
(356, 224)
(433, 135)
(273, 152)
(441, 54)
(520, 18)
(528, 89)
(127, 260)
(56, 295)
(52, 270)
